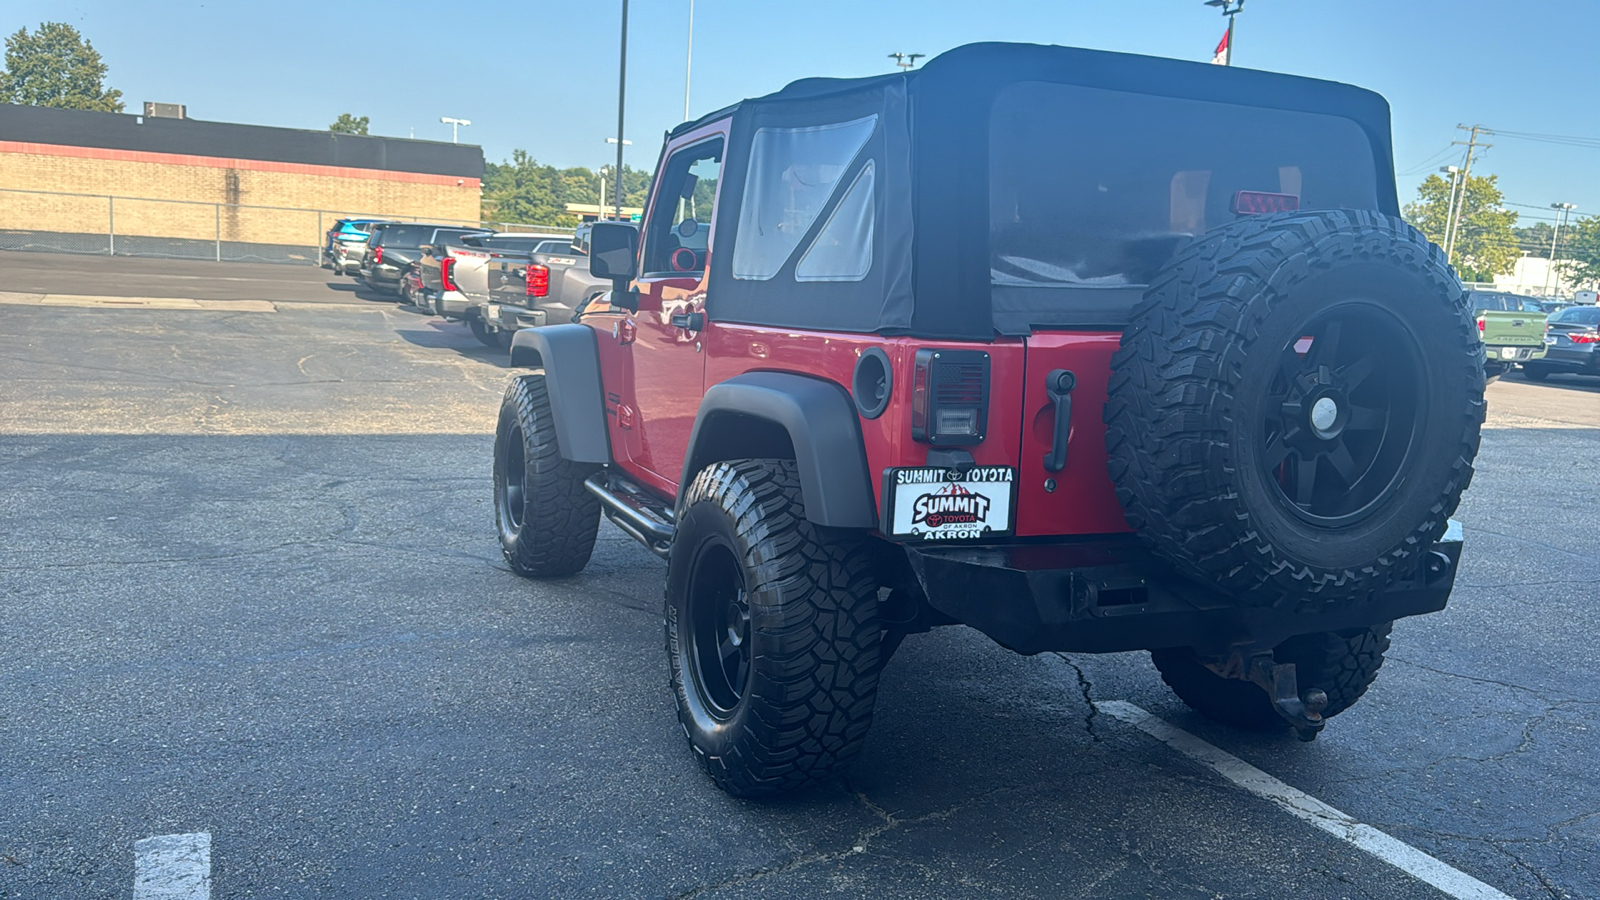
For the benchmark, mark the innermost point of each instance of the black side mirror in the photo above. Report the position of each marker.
(614, 251)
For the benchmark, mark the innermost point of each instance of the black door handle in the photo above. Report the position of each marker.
(689, 321)
(1058, 385)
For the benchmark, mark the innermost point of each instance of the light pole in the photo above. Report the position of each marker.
(455, 125)
(1450, 209)
(1230, 8)
(688, 60)
(1562, 209)
(616, 181)
(906, 60)
(622, 88)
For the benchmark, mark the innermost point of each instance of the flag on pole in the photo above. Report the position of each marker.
(1220, 58)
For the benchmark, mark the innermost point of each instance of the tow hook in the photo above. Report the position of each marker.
(1303, 713)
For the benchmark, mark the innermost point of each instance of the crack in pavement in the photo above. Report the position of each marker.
(1524, 540)
(1551, 889)
(1542, 695)
(862, 842)
(1084, 687)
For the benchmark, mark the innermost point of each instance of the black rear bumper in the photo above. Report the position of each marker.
(1110, 594)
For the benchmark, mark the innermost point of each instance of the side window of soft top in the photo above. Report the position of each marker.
(677, 241)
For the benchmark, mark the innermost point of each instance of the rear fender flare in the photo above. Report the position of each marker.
(823, 432)
(570, 358)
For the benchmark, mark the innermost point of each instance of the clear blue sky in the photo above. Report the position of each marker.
(542, 76)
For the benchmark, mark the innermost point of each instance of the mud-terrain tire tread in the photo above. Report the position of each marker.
(1172, 394)
(815, 630)
(1341, 663)
(560, 517)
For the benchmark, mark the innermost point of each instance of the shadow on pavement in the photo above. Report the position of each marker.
(438, 334)
(1587, 384)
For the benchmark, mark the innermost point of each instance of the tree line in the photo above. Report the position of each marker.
(1488, 240)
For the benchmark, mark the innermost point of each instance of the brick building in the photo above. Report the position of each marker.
(74, 172)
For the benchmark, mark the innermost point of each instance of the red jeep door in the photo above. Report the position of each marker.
(668, 357)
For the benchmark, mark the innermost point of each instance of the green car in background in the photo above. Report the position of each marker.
(1512, 328)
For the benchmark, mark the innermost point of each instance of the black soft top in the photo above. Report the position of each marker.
(931, 271)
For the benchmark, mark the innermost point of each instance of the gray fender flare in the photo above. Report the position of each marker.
(823, 430)
(571, 361)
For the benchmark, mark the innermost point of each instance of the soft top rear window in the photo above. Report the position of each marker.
(1095, 188)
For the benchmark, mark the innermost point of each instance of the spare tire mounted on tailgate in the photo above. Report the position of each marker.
(1295, 406)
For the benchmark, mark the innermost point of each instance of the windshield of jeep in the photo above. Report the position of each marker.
(1095, 188)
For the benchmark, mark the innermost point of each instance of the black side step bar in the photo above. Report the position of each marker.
(630, 509)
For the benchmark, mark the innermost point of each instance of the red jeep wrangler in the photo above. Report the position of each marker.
(1091, 352)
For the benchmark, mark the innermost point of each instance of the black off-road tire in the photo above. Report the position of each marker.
(1535, 372)
(792, 703)
(546, 518)
(1341, 663)
(480, 329)
(1206, 362)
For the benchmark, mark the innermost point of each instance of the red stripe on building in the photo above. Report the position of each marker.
(217, 162)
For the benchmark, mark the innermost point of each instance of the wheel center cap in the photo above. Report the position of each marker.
(1324, 413)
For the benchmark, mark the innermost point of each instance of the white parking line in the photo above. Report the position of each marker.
(96, 301)
(1299, 804)
(172, 867)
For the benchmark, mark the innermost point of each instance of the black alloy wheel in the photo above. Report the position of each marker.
(1343, 413)
(719, 630)
(547, 519)
(773, 637)
(514, 470)
(1295, 407)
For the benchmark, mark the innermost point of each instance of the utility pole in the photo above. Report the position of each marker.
(622, 87)
(688, 60)
(1466, 174)
(1450, 208)
(1230, 8)
(1562, 209)
(906, 60)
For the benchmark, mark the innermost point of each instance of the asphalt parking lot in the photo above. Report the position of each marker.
(251, 590)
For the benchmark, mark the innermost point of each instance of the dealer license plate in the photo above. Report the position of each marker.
(934, 504)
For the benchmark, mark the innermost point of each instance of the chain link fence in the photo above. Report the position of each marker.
(185, 229)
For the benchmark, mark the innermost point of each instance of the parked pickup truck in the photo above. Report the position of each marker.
(490, 286)
(456, 274)
(397, 246)
(1512, 328)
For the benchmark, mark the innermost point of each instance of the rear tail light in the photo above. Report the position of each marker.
(1480, 323)
(446, 269)
(950, 397)
(537, 281)
(1261, 203)
(1585, 338)
(377, 255)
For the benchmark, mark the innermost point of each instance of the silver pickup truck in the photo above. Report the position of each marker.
(502, 283)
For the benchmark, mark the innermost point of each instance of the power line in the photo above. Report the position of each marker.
(1450, 148)
(1570, 140)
